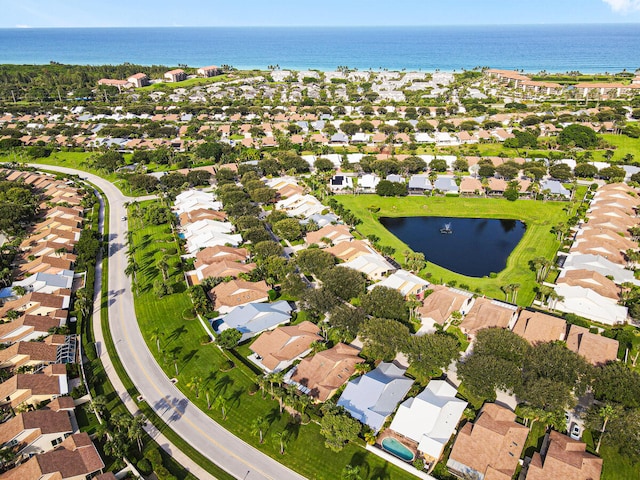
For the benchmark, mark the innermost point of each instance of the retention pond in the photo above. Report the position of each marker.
(474, 247)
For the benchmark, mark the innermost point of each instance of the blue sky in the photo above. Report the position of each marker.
(121, 13)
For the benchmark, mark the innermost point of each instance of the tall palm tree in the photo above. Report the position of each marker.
(156, 335)
(259, 426)
(194, 385)
(283, 439)
(136, 430)
(606, 412)
(221, 403)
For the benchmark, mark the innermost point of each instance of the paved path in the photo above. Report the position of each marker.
(199, 430)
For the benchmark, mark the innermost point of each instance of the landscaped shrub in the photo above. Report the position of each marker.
(90, 351)
(253, 388)
(144, 466)
(154, 456)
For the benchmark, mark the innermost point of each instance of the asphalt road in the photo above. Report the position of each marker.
(200, 431)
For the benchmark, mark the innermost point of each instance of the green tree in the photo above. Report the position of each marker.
(430, 354)
(229, 338)
(338, 429)
(344, 283)
(259, 426)
(385, 302)
(578, 135)
(314, 261)
(288, 229)
(384, 338)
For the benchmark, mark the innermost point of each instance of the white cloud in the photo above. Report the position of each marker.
(623, 5)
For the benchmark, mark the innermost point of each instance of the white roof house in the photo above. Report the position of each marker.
(405, 282)
(194, 200)
(200, 226)
(589, 304)
(46, 282)
(300, 205)
(368, 181)
(254, 318)
(597, 263)
(340, 182)
(210, 238)
(430, 418)
(373, 265)
(371, 398)
(445, 139)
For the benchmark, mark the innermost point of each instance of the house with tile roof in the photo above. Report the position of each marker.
(34, 388)
(36, 303)
(321, 375)
(348, 251)
(430, 418)
(28, 327)
(565, 458)
(597, 349)
(438, 306)
(471, 186)
(28, 354)
(490, 447)
(74, 459)
(254, 318)
(335, 234)
(221, 269)
(275, 350)
(372, 397)
(35, 431)
(591, 280)
(537, 327)
(229, 295)
(486, 313)
(211, 255)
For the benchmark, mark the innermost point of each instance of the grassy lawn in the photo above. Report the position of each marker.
(181, 339)
(538, 240)
(615, 466)
(191, 82)
(534, 439)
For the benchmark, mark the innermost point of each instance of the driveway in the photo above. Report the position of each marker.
(190, 423)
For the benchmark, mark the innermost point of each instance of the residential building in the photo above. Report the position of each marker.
(405, 282)
(210, 71)
(372, 397)
(74, 459)
(221, 269)
(210, 255)
(35, 431)
(486, 313)
(177, 75)
(597, 349)
(588, 304)
(139, 80)
(329, 235)
(321, 375)
(227, 296)
(471, 186)
(446, 185)
(341, 182)
(368, 182)
(276, 350)
(419, 184)
(253, 318)
(597, 263)
(34, 388)
(490, 447)
(348, 251)
(592, 281)
(191, 200)
(27, 328)
(565, 458)
(373, 265)
(537, 327)
(28, 354)
(430, 418)
(439, 305)
(554, 189)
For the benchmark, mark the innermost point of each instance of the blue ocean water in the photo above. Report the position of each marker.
(533, 48)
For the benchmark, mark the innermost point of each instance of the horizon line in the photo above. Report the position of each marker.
(30, 27)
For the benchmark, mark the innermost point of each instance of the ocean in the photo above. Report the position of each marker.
(532, 48)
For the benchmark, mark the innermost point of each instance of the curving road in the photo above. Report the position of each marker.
(194, 426)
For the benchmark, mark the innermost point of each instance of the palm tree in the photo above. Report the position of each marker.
(606, 412)
(136, 430)
(283, 438)
(506, 289)
(259, 426)
(194, 385)
(262, 383)
(156, 335)
(221, 403)
(99, 404)
(19, 290)
(351, 472)
(514, 292)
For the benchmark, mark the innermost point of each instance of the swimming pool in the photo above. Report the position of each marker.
(394, 447)
(181, 235)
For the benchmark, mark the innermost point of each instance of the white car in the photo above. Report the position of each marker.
(575, 432)
(124, 218)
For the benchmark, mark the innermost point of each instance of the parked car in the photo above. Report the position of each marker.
(124, 218)
(575, 432)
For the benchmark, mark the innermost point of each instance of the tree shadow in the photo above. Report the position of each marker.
(190, 356)
(358, 460)
(234, 398)
(176, 334)
(381, 473)
(293, 429)
(210, 378)
(222, 385)
(273, 416)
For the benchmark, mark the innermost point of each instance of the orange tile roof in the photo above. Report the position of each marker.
(238, 292)
(565, 459)
(486, 313)
(327, 371)
(493, 444)
(536, 327)
(284, 344)
(595, 348)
